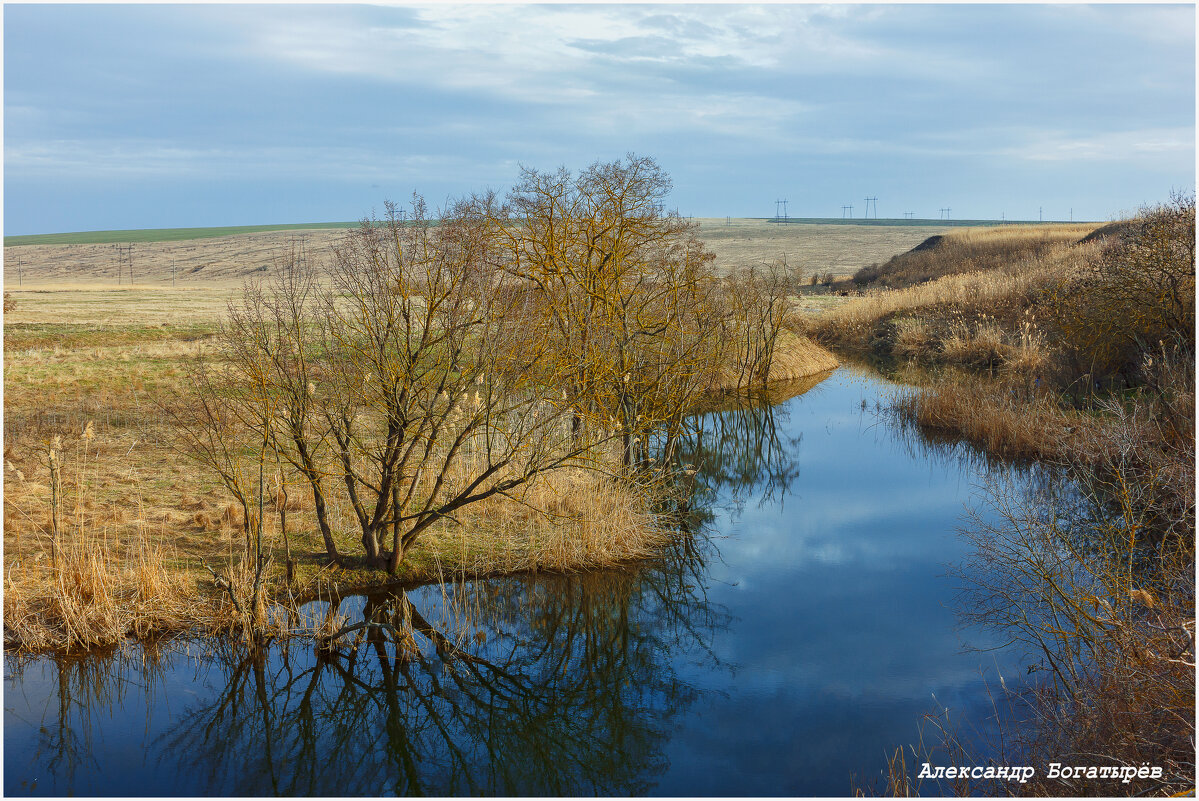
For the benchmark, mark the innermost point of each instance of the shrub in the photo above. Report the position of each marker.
(1138, 291)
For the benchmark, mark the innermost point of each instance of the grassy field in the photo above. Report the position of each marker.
(88, 376)
(141, 235)
(225, 259)
(179, 234)
(90, 364)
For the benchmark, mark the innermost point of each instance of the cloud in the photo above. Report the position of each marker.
(1135, 145)
(151, 159)
(729, 97)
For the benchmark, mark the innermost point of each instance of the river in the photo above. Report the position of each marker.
(787, 647)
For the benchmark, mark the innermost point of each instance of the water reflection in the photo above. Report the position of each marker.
(743, 448)
(793, 658)
(558, 685)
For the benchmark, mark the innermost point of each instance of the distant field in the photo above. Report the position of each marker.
(180, 234)
(225, 257)
(160, 234)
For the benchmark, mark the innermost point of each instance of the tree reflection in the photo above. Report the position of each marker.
(742, 450)
(85, 689)
(524, 685)
(554, 685)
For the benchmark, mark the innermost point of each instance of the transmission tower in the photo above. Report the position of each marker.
(778, 203)
(907, 215)
(870, 200)
(845, 210)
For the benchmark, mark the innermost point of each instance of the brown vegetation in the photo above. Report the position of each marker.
(1083, 355)
(968, 250)
(422, 370)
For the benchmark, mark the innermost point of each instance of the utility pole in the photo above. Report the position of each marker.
(1040, 216)
(907, 215)
(870, 200)
(845, 209)
(1071, 214)
(777, 203)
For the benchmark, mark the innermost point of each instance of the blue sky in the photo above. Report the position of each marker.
(144, 116)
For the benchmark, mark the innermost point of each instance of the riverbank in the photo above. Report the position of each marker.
(604, 680)
(1078, 350)
(88, 375)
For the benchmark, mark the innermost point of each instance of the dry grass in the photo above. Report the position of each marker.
(969, 250)
(795, 357)
(139, 520)
(816, 248)
(89, 595)
(1002, 418)
(995, 319)
(129, 563)
(565, 521)
(1103, 597)
(1011, 236)
(227, 261)
(1013, 284)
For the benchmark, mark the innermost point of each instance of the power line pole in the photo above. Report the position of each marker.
(777, 203)
(1040, 216)
(870, 200)
(845, 209)
(907, 215)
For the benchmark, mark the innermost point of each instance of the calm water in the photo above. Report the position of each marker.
(787, 647)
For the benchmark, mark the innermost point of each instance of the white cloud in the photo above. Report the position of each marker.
(1138, 145)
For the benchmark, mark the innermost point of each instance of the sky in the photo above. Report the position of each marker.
(149, 116)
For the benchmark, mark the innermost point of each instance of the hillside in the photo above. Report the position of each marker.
(968, 251)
